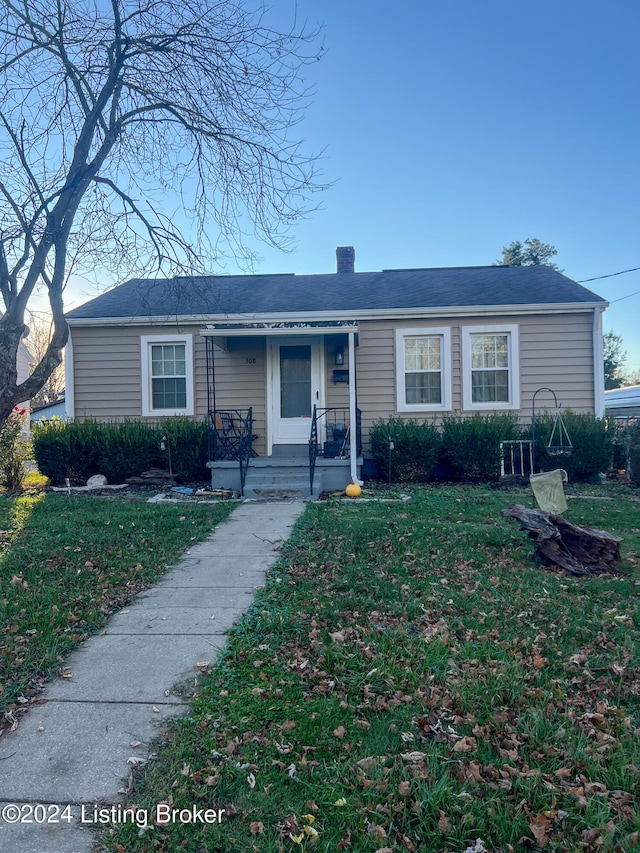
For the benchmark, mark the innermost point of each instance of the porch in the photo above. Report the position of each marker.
(292, 440)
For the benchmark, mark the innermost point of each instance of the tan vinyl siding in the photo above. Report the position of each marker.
(107, 372)
(556, 350)
(336, 393)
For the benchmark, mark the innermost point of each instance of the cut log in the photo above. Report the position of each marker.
(578, 550)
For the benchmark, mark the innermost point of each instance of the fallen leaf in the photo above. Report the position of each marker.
(539, 826)
(377, 832)
(444, 824)
(465, 744)
(414, 757)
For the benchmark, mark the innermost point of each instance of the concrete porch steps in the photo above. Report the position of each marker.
(277, 477)
(281, 478)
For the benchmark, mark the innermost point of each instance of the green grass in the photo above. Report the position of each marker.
(67, 562)
(409, 680)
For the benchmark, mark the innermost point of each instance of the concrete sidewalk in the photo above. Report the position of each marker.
(78, 747)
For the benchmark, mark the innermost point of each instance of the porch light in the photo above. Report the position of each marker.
(339, 357)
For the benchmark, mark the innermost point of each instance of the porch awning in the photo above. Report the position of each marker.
(232, 329)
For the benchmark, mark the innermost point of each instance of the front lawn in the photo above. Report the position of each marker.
(67, 562)
(409, 680)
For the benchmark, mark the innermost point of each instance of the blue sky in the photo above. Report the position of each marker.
(451, 128)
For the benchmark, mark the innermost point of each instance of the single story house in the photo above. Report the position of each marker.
(351, 346)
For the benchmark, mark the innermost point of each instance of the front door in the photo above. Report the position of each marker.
(296, 386)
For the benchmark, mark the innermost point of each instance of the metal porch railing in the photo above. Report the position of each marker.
(338, 444)
(231, 438)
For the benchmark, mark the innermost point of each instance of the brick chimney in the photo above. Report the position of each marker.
(345, 259)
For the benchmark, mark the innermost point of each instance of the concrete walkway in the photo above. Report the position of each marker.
(78, 747)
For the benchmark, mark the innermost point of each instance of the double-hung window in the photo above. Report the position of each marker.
(423, 370)
(490, 367)
(167, 375)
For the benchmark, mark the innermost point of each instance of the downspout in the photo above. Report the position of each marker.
(353, 414)
(598, 363)
(69, 388)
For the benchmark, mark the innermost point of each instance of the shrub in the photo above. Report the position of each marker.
(13, 450)
(66, 450)
(415, 448)
(591, 441)
(78, 449)
(126, 449)
(189, 443)
(471, 445)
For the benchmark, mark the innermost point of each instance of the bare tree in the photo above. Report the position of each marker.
(139, 135)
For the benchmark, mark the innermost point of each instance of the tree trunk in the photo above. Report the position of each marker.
(577, 550)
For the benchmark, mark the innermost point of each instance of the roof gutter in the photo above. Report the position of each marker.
(330, 316)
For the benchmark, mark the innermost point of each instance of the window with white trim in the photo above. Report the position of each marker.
(423, 370)
(167, 375)
(490, 365)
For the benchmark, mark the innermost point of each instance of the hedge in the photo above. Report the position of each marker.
(590, 437)
(76, 450)
(468, 448)
(415, 448)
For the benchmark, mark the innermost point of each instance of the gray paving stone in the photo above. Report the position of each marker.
(81, 754)
(133, 668)
(151, 618)
(54, 836)
(214, 570)
(192, 596)
(234, 543)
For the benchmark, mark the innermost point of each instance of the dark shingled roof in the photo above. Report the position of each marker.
(349, 292)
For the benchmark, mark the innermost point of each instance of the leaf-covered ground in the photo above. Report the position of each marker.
(409, 681)
(66, 563)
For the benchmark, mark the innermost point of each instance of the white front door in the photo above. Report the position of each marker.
(296, 386)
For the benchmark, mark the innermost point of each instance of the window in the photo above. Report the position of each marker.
(490, 367)
(423, 374)
(167, 375)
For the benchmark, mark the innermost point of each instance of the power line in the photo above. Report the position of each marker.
(611, 275)
(625, 297)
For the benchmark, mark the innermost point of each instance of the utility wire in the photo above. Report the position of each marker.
(611, 275)
(625, 297)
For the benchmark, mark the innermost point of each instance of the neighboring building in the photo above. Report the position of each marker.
(415, 343)
(623, 402)
(24, 360)
(55, 409)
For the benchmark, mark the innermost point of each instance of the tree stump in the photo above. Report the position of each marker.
(578, 550)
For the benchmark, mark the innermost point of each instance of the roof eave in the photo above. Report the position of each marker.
(363, 314)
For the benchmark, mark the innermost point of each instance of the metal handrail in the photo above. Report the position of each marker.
(245, 449)
(313, 448)
(314, 444)
(231, 438)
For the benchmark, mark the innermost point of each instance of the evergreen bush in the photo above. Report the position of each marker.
(415, 448)
(471, 445)
(591, 441)
(78, 449)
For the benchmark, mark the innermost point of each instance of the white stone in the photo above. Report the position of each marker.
(97, 481)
